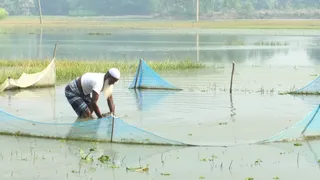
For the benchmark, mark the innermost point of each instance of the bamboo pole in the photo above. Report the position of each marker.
(40, 11)
(231, 81)
(198, 6)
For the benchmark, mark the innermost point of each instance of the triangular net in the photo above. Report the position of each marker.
(312, 88)
(91, 130)
(307, 128)
(309, 150)
(147, 78)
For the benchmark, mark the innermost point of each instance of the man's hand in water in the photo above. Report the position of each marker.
(105, 114)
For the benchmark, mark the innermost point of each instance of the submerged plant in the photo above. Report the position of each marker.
(258, 161)
(297, 144)
(165, 174)
(86, 158)
(139, 169)
(104, 159)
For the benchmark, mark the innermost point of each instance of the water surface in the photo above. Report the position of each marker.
(203, 113)
(217, 46)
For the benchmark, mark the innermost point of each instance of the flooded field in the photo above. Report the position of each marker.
(203, 113)
(283, 47)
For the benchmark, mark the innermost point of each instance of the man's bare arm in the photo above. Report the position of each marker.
(111, 104)
(94, 105)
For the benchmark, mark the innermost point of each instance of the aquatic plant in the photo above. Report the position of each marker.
(139, 169)
(271, 43)
(98, 34)
(235, 42)
(69, 69)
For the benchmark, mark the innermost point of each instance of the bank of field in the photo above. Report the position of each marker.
(104, 22)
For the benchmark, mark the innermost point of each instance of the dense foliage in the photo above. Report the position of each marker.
(3, 13)
(173, 8)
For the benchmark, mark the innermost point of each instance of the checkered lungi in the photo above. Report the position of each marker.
(77, 99)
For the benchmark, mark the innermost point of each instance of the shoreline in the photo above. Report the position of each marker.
(105, 22)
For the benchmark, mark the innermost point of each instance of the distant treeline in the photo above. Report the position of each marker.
(169, 8)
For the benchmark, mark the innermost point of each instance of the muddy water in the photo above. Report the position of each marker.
(203, 113)
(28, 158)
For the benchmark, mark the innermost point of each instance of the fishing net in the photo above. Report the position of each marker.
(312, 88)
(90, 130)
(309, 150)
(147, 99)
(307, 128)
(44, 78)
(147, 78)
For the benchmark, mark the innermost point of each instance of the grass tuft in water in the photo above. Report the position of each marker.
(69, 69)
(271, 43)
(98, 34)
(299, 93)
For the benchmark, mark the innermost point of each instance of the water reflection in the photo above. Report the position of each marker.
(41, 101)
(147, 99)
(232, 109)
(204, 47)
(90, 129)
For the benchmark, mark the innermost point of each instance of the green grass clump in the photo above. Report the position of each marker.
(3, 13)
(69, 69)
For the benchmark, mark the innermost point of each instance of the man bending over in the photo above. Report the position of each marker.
(78, 92)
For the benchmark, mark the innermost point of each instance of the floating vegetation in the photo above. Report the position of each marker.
(299, 93)
(271, 43)
(98, 34)
(104, 159)
(297, 144)
(258, 161)
(165, 174)
(86, 158)
(139, 169)
(235, 42)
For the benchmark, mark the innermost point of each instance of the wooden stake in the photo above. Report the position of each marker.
(55, 50)
(112, 129)
(198, 6)
(40, 11)
(231, 81)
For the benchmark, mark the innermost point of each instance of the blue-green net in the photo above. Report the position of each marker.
(90, 130)
(146, 78)
(307, 128)
(312, 88)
